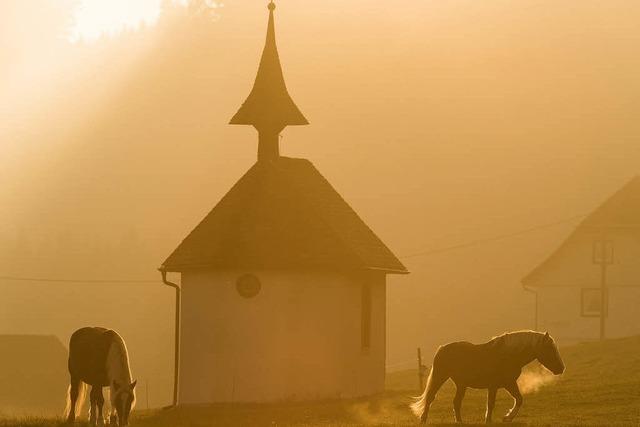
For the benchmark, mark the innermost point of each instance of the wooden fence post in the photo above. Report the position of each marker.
(420, 369)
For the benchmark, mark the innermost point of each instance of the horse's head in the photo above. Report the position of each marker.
(124, 400)
(549, 356)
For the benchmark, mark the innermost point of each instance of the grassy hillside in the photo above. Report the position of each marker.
(601, 387)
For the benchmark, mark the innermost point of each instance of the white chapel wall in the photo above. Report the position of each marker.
(299, 338)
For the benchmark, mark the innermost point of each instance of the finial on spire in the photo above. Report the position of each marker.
(269, 107)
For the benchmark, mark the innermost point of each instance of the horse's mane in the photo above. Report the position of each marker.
(518, 341)
(118, 354)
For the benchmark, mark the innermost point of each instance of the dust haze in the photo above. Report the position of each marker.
(449, 124)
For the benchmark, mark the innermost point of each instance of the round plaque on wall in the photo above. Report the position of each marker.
(248, 285)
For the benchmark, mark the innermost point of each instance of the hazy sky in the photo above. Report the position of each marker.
(441, 122)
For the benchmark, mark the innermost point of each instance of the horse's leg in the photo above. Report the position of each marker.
(100, 403)
(94, 401)
(436, 380)
(517, 398)
(457, 401)
(74, 392)
(491, 403)
(113, 417)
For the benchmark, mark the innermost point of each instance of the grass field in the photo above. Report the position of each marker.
(601, 387)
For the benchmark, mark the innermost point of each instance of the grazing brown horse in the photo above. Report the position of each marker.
(492, 365)
(98, 357)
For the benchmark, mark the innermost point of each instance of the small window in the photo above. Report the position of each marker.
(590, 304)
(248, 285)
(366, 316)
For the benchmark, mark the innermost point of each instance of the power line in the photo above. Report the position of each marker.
(417, 254)
(50, 280)
(492, 239)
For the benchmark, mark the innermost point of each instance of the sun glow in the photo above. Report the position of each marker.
(95, 18)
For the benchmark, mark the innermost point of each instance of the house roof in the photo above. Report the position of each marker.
(620, 211)
(283, 214)
(33, 371)
(269, 104)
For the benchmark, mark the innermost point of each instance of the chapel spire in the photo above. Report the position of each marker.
(269, 107)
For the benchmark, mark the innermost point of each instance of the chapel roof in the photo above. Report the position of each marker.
(283, 214)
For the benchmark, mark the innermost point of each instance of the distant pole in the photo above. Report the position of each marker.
(603, 256)
(420, 382)
(535, 306)
(147, 392)
(603, 295)
(535, 313)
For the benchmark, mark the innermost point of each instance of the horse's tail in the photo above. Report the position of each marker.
(67, 408)
(420, 402)
(82, 391)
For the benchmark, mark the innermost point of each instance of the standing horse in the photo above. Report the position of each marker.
(98, 357)
(492, 365)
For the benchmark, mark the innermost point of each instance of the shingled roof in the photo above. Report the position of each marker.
(621, 211)
(283, 214)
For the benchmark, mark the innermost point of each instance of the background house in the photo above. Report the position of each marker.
(33, 374)
(568, 284)
(283, 285)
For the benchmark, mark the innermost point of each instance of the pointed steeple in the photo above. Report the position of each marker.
(269, 107)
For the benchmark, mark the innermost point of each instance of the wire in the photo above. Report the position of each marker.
(492, 239)
(50, 280)
(417, 254)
